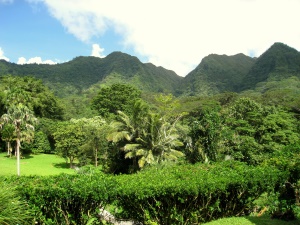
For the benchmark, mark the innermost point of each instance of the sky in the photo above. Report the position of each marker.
(174, 34)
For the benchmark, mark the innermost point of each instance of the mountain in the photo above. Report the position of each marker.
(83, 72)
(216, 74)
(278, 62)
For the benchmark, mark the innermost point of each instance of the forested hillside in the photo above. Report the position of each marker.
(216, 74)
(277, 63)
(82, 72)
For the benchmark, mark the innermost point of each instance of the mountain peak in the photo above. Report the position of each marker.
(280, 61)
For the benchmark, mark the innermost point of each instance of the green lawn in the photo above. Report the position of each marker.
(252, 220)
(41, 164)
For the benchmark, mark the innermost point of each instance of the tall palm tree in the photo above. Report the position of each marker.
(23, 120)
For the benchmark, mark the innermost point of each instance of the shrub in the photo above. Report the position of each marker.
(13, 210)
(66, 199)
(193, 194)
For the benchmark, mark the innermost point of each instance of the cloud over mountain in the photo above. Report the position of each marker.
(177, 34)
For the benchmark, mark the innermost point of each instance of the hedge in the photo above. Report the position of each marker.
(193, 194)
(183, 194)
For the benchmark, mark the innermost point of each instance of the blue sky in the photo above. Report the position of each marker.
(28, 30)
(172, 34)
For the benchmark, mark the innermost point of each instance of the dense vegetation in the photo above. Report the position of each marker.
(153, 157)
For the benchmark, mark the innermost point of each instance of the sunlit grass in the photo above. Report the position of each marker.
(41, 164)
(252, 220)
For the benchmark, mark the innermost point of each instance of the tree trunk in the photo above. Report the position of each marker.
(18, 146)
(71, 162)
(9, 149)
(18, 156)
(96, 157)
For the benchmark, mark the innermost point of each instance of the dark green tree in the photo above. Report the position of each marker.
(33, 94)
(205, 133)
(252, 131)
(117, 97)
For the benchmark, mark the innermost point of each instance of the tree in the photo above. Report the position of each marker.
(205, 133)
(152, 141)
(8, 135)
(253, 131)
(68, 137)
(31, 93)
(95, 144)
(23, 120)
(117, 97)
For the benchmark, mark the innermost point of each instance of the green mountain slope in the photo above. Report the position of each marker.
(216, 74)
(277, 63)
(83, 72)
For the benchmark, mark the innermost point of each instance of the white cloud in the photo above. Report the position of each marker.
(97, 51)
(37, 60)
(2, 55)
(178, 34)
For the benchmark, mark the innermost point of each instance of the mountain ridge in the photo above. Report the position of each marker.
(213, 75)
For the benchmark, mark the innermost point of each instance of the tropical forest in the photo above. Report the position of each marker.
(116, 141)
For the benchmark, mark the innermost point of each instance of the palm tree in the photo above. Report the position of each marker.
(149, 138)
(23, 120)
(156, 143)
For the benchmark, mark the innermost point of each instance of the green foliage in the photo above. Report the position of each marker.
(185, 194)
(147, 138)
(40, 143)
(205, 133)
(95, 147)
(114, 98)
(13, 210)
(31, 93)
(66, 78)
(286, 205)
(66, 199)
(278, 62)
(216, 74)
(252, 131)
(193, 194)
(69, 136)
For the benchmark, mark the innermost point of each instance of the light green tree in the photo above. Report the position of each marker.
(95, 145)
(69, 136)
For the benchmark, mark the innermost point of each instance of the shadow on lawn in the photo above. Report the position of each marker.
(61, 165)
(26, 156)
(266, 220)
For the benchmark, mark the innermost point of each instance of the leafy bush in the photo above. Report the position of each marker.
(193, 194)
(66, 199)
(287, 204)
(13, 210)
(181, 194)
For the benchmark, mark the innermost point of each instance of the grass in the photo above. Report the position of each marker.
(41, 164)
(252, 220)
